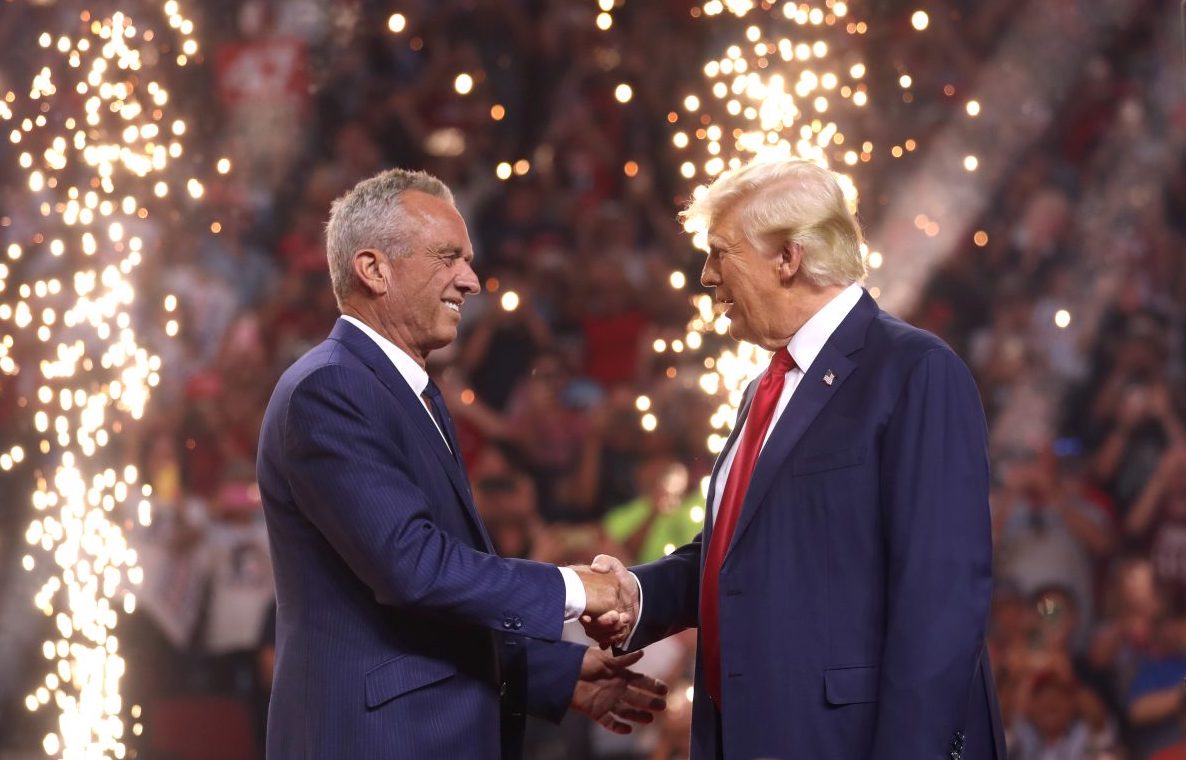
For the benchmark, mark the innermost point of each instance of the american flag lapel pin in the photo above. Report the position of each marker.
(829, 377)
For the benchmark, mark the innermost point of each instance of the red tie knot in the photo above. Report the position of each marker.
(781, 363)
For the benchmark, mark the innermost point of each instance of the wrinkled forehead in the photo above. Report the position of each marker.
(436, 220)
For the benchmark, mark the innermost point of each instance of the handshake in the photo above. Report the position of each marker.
(611, 600)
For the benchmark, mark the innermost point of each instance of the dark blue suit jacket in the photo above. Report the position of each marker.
(399, 633)
(855, 592)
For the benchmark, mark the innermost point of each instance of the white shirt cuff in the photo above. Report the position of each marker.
(634, 625)
(574, 594)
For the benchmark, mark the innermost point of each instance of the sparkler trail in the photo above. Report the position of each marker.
(789, 85)
(767, 96)
(94, 139)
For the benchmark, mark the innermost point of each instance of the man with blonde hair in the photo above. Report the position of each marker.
(841, 583)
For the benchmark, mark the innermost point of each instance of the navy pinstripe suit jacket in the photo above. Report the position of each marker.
(399, 633)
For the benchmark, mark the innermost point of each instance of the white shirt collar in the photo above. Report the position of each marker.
(815, 332)
(412, 373)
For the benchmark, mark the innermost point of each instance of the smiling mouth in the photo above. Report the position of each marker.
(453, 305)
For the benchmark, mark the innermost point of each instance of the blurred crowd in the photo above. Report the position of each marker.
(1067, 304)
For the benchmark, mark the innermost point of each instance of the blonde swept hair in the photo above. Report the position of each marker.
(789, 201)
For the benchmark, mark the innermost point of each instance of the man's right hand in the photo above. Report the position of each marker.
(609, 622)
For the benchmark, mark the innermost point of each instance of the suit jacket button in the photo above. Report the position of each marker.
(518, 624)
(508, 623)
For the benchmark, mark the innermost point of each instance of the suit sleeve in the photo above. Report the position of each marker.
(352, 483)
(671, 595)
(934, 490)
(553, 668)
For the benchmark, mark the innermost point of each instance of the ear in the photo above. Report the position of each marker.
(790, 258)
(370, 268)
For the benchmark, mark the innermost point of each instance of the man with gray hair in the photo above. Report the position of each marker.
(399, 632)
(841, 583)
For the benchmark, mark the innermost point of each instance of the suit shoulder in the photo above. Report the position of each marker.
(908, 345)
(322, 364)
(327, 359)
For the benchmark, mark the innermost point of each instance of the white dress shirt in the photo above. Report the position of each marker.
(804, 347)
(417, 379)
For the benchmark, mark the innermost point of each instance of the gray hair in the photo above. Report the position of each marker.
(371, 216)
(790, 201)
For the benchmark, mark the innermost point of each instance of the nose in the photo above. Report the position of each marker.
(467, 280)
(710, 276)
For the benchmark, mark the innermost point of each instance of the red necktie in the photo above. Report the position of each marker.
(757, 422)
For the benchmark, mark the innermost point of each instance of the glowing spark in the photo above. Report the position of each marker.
(397, 23)
(767, 96)
(96, 133)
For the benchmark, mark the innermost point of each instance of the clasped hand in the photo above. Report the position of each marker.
(611, 600)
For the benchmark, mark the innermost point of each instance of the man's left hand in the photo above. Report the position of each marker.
(615, 696)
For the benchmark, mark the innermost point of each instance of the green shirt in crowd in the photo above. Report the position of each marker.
(673, 529)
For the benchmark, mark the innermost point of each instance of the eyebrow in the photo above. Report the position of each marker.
(451, 248)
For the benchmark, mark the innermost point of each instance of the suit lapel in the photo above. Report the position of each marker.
(831, 368)
(369, 352)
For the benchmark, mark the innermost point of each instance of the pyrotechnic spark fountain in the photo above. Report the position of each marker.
(788, 86)
(95, 140)
(768, 96)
